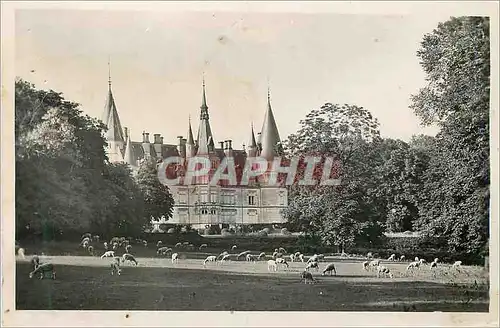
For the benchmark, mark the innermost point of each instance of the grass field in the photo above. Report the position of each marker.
(85, 283)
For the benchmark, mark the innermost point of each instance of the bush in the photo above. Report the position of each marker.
(201, 231)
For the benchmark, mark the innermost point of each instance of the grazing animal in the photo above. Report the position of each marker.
(223, 254)
(225, 258)
(392, 258)
(250, 258)
(128, 248)
(90, 249)
(275, 254)
(457, 264)
(115, 246)
(115, 268)
(383, 270)
(203, 246)
(163, 250)
(306, 276)
(211, 258)
(20, 252)
(175, 257)
(145, 243)
(413, 265)
(108, 254)
(159, 243)
(234, 247)
(129, 258)
(301, 258)
(282, 250)
(178, 245)
(186, 243)
(105, 245)
(374, 263)
(402, 258)
(261, 255)
(423, 261)
(281, 260)
(242, 254)
(329, 268)
(42, 270)
(292, 257)
(433, 264)
(369, 255)
(365, 265)
(311, 265)
(85, 244)
(86, 235)
(313, 258)
(272, 266)
(417, 259)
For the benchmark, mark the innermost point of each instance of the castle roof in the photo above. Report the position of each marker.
(269, 134)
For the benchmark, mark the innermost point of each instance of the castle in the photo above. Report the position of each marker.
(201, 204)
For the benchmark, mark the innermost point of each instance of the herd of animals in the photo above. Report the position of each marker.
(279, 258)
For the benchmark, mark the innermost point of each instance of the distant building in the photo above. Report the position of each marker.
(200, 204)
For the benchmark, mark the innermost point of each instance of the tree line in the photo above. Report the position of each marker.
(438, 186)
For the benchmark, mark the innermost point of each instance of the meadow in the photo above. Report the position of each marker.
(85, 283)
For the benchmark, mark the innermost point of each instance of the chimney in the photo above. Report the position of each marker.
(221, 145)
(180, 148)
(125, 131)
(161, 140)
(157, 138)
(226, 145)
(145, 137)
(230, 144)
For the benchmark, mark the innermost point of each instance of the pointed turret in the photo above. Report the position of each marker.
(269, 137)
(190, 147)
(252, 145)
(114, 136)
(128, 157)
(204, 140)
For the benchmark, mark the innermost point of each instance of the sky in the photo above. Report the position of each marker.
(158, 59)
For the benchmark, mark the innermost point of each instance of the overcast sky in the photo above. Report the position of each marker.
(158, 59)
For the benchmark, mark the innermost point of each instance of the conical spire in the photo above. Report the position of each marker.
(110, 117)
(269, 137)
(253, 143)
(190, 139)
(128, 156)
(205, 139)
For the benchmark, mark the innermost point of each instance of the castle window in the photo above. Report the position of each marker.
(251, 200)
(204, 211)
(213, 211)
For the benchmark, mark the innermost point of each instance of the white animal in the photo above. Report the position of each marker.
(115, 268)
(234, 247)
(313, 258)
(85, 244)
(145, 243)
(311, 265)
(297, 254)
(20, 252)
(175, 258)
(108, 254)
(105, 245)
(128, 248)
(275, 254)
(383, 270)
(433, 264)
(365, 265)
(223, 254)
(413, 265)
(392, 257)
(261, 255)
(163, 250)
(242, 254)
(225, 258)
(422, 261)
(211, 258)
(130, 258)
(402, 258)
(159, 243)
(292, 257)
(250, 258)
(457, 264)
(329, 268)
(203, 246)
(281, 260)
(42, 270)
(417, 259)
(306, 276)
(282, 250)
(272, 266)
(374, 263)
(178, 245)
(301, 258)
(85, 240)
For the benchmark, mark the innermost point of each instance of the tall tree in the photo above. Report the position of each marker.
(455, 200)
(158, 200)
(342, 214)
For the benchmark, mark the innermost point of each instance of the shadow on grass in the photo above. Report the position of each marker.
(141, 288)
